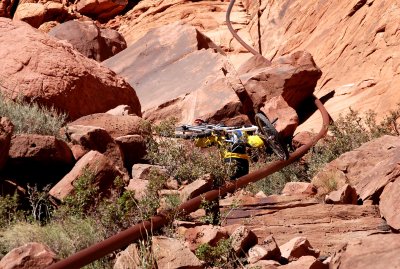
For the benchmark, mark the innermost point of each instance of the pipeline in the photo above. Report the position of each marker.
(143, 229)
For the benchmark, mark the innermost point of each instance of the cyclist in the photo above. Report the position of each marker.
(234, 145)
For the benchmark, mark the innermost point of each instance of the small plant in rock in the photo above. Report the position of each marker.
(220, 255)
(31, 118)
(213, 215)
(41, 207)
(274, 183)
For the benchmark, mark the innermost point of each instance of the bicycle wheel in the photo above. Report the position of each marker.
(271, 136)
(187, 132)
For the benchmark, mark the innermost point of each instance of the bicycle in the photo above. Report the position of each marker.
(263, 128)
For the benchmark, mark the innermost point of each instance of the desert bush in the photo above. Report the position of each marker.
(220, 255)
(348, 133)
(9, 210)
(182, 159)
(63, 237)
(31, 118)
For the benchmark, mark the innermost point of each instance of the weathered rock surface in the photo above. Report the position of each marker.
(269, 250)
(6, 130)
(133, 148)
(368, 168)
(320, 223)
(296, 248)
(205, 234)
(292, 76)
(39, 159)
(345, 195)
(376, 251)
(93, 164)
(180, 75)
(31, 255)
(96, 138)
(207, 16)
(196, 187)
(90, 40)
(115, 125)
(100, 10)
(31, 13)
(389, 204)
(243, 239)
(355, 43)
(128, 258)
(37, 13)
(171, 253)
(39, 148)
(36, 66)
(293, 188)
(305, 262)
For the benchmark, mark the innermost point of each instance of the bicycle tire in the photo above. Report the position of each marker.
(273, 139)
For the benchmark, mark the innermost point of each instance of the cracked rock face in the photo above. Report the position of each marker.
(355, 43)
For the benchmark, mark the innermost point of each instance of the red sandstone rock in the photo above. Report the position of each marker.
(205, 234)
(375, 251)
(389, 204)
(87, 38)
(31, 255)
(296, 248)
(171, 253)
(53, 74)
(93, 163)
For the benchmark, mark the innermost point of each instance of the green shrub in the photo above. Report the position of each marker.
(220, 255)
(348, 133)
(85, 196)
(63, 237)
(30, 118)
(182, 159)
(9, 212)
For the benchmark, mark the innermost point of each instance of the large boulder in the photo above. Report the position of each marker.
(39, 159)
(90, 40)
(389, 204)
(292, 76)
(96, 138)
(100, 9)
(31, 13)
(31, 255)
(93, 164)
(37, 66)
(181, 74)
(115, 125)
(373, 252)
(36, 14)
(170, 253)
(368, 168)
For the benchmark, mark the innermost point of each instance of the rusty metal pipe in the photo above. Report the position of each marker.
(233, 32)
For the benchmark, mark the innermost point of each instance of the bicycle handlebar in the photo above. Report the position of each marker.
(208, 127)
